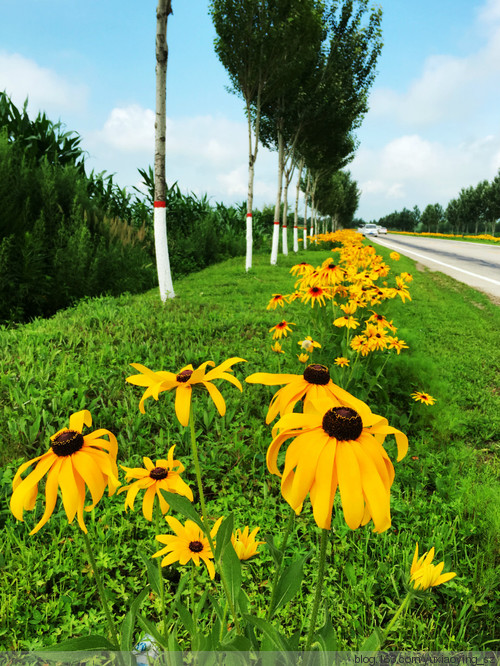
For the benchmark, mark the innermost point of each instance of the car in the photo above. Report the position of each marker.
(369, 230)
(381, 230)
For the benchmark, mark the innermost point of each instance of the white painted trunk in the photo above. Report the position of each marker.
(248, 260)
(276, 227)
(161, 249)
(305, 236)
(284, 228)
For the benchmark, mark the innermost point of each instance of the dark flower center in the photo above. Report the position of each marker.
(158, 473)
(195, 546)
(184, 376)
(66, 442)
(315, 290)
(343, 423)
(317, 374)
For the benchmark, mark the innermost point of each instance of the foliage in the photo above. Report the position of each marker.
(445, 493)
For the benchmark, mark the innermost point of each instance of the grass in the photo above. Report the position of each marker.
(445, 493)
(485, 239)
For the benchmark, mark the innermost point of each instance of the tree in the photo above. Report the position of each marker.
(247, 47)
(163, 11)
(432, 218)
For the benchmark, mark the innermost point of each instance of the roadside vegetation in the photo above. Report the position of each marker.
(445, 494)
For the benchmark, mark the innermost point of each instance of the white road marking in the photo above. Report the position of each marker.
(441, 263)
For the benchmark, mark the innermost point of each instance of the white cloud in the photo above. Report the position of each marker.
(47, 91)
(205, 154)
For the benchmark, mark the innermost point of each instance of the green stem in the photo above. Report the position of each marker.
(204, 517)
(100, 588)
(401, 609)
(358, 354)
(374, 381)
(319, 587)
(160, 570)
(277, 573)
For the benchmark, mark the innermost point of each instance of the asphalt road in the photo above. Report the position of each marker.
(476, 264)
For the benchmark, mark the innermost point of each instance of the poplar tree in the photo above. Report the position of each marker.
(164, 9)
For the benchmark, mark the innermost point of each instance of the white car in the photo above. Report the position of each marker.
(381, 230)
(369, 230)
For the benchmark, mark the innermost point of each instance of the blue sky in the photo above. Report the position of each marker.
(433, 125)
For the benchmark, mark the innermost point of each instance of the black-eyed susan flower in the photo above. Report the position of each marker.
(424, 574)
(342, 361)
(277, 348)
(281, 329)
(423, 397)
(277, 299)
(337, 447)
(346, 320)
(395, 256)
(188, 543)
(315, 294)
(244, 543)
(303, 358)
(153, 478)
(73, 463)
(313, 384)
(396, 343)
(301, 269)
(183, 382)
(308, 344)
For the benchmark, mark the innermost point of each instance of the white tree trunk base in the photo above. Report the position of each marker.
(161, 249)
(284, 239)
(276, 238)
(295, 239)
(248, 260)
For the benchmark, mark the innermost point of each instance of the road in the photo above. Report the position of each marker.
(476, 264)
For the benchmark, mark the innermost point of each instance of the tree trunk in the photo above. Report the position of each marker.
(276, 228)
(160, 218)
(252, 157)
(296, 214)
(308, 181)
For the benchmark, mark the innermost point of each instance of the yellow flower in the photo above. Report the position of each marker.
(303, 358)
(308, 344)
(164, 475)
(342, 361)
(395, 343)
(423, 397)
(183, 383)
(394, 256)
(301, 269)
(337, 447)
(346, 320)
(244, 543)
(314, 294)
(424, 574)
(276, 300)
(314, 383)
(277, 348)
(189, 543)
(281, 329)
(73, 462)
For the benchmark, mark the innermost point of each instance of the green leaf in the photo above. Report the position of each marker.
(289, 582)
(152, 571)
(91, 642)
(183, 506)
(186, 618)
(150, 628)
(350, 574)
(237, 644)
(326, 637)
(276, 553)
(224, 535)
(231, 568)
(374, 642)
(275, 638)
(128, 624)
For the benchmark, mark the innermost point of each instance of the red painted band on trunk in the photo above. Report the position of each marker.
(277, 223)
(160, 204)
(295, 227)
(284, 226)
(249, 214)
